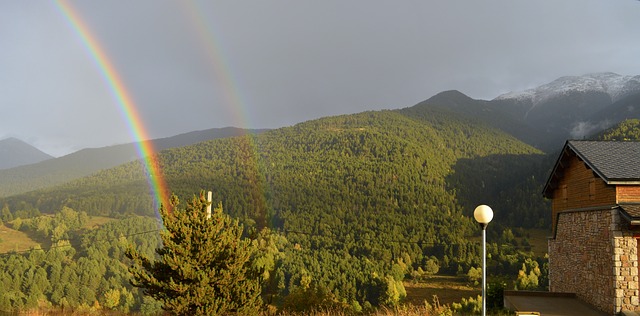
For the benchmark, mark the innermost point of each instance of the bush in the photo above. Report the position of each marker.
(472, 306)
(474, 275)
(495, 294)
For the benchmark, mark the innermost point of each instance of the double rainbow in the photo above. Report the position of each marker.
(125, 104)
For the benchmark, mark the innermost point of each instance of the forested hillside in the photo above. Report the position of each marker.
(340, 210)
(375, 160)
(84, 269)
(493, 113)
(381, 193)
(355, 204)
(628, 130)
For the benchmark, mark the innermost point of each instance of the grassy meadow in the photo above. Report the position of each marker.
(18, 241)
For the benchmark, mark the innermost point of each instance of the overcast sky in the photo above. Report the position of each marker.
(267, 64)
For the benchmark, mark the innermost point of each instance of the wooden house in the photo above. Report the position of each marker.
(593, 251)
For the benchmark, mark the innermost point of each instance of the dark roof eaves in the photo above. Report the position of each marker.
(571, 145)
(553, 171)
(633, 220)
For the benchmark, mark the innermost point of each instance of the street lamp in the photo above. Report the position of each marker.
(483, 215)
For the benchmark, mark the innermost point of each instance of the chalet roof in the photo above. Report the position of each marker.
(630, 211)
(615, 162)
(612, 160)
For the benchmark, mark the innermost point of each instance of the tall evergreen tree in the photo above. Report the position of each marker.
(202, 268)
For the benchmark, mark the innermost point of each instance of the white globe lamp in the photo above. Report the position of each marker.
(483, 215)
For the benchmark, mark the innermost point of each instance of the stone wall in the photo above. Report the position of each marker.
(581, 257)
(595, 256)
(625, 262)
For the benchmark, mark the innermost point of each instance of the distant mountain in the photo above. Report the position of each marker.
(487, 112)
(611, 84)
(571, 107)
(88, 161)
(14, 153)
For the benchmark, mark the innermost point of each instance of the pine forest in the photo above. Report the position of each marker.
(338, 213)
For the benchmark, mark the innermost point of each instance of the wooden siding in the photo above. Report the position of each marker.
(628, 194)
(580, 188)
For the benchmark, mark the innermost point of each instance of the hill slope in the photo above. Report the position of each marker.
(627, 130)
(14, 153)
(87, 161)
(491, 113)
(374, 162)
(356, 201)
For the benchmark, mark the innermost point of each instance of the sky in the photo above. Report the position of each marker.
(194, 65)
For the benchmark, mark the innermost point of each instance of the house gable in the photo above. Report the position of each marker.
(595, 193)
(574, 186)
(594, 174)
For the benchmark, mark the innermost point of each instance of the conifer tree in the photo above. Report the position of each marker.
(202, 268)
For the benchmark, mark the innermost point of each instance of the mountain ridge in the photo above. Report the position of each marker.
(15, 152)
(90, 160)
(545, 116)
(615, 85)
(579, 110)
(337, 158)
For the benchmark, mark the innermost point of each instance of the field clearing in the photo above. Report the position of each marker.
(96, 221)
(448, 289)
(538, 240)
(13, 240)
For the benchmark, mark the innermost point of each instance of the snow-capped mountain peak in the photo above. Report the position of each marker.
(615, 85)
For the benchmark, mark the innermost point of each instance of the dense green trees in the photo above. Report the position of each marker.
(86, 272)
(340, 209)
(203, 266)
(628, 130)
(56, 227)
(376, 159)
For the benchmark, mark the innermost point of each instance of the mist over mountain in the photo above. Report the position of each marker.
(14, 153)
(623, 109)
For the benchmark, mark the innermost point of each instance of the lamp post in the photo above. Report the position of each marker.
(483, 215)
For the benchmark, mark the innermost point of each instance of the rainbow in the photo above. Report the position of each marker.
(204, 29)
(125, 104)
(218, 64)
